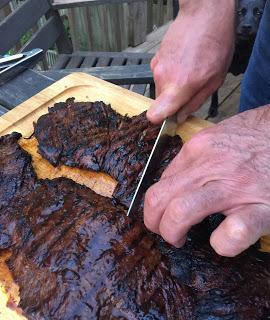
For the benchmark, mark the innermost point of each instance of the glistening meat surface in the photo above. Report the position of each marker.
(93, 136)
(75, 255)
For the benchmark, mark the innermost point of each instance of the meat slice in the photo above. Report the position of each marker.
(83, 258)
(17, 179)
(93, 136)
(16, 173)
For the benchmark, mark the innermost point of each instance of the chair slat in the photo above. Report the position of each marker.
(131, 61)
(141, 88)
(20, 21)
(118, 61)
(126, 54)
(103, 62)
(46, 37)
(3, 3)
(89, 62)
(61, 62)
(74, 62)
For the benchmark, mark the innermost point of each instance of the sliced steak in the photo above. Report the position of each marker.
(77, 256)
(95, 137)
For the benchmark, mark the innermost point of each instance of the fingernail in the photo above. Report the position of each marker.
(153, 114)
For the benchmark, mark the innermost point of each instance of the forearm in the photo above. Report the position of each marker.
(216, 18)
(220, 6)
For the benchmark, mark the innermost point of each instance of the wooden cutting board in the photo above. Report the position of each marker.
(84, 88)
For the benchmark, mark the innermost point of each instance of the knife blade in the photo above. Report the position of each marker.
(167, 130)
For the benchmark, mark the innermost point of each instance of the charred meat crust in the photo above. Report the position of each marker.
(95, 137)
(75, 255)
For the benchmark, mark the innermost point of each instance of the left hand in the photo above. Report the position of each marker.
(225, 169)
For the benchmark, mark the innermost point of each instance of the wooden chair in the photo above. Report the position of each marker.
(52, 33)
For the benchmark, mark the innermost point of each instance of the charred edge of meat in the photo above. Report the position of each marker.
(95, 137)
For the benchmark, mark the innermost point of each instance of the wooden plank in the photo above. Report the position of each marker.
(149, 16)
(117, 30)
(167, 11)
(118, 61)
(3, 110)
(45, 37)
(141, 88)
(138, 22)
(103, 62)
(20, 21)
(63, 43)
(3, 3)
(131, 61)
(73, 29)
(22, 88)
(116, 74)
(229, 107)
(89, 62)
(61, 62)
(124, 54)
(153, 40)
(63, 4)
(74, 62)
(230, 85)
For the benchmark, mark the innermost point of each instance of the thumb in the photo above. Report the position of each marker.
(169, 102)
(241, 229)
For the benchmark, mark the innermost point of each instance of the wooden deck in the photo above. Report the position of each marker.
(229, 93)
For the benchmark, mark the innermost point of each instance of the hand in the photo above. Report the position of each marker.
(225, 169)
(193, 59)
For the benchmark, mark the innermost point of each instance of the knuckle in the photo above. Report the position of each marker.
(223, 250)
(158, 71)
(152, 198)
(168, 235)
(195, 144)
(220, 250)
(148, 222)
(237, 231)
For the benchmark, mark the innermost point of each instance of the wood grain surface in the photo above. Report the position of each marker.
(84, 88)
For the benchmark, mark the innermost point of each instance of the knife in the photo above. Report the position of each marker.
(167, 130)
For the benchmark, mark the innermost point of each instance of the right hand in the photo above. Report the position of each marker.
(193, 59)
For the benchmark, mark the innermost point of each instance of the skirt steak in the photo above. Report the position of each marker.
(75, 254)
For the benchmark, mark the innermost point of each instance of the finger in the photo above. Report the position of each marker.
(190, 155)
(168, 102)
(241, 229)
(157, 197)
(179, 164)
(188, 210)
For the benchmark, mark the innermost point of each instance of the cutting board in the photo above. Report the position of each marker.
(84, 88)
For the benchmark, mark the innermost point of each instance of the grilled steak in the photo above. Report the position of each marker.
(93, 136)
(77, 256)
(17, 179)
